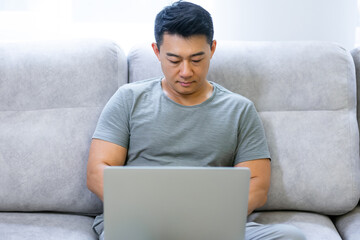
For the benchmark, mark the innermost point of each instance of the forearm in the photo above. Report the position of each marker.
(260, 170)
(95, 180)
(257, 196)
(101, 155)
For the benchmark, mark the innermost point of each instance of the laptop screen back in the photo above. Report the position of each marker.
(175, 203)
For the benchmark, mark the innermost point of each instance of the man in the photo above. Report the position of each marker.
(182, 119)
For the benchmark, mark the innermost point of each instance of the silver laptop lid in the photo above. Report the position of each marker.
(175, 203)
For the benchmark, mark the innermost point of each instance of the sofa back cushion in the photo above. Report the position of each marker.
(305, 95)
(356, 56)
(51, 95)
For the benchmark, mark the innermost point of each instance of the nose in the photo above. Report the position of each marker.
(186, 70)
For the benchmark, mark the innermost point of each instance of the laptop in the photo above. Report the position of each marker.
(175, 203)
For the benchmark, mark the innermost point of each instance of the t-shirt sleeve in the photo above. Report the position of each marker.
(252, 142)
(113, 123)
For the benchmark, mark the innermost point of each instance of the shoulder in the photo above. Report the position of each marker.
(140, 86)
(129, 93)
(232, 98)
(136, 89)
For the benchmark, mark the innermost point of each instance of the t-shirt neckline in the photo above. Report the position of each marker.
(207, 101)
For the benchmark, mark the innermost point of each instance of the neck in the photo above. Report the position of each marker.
(192, 99)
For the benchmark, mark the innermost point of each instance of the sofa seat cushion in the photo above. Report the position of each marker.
(47, 226)
(314, 226)
(348, 225)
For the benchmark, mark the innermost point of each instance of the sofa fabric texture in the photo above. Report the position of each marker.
(51, 96)
(51, 226)
(52, 93)
(349, 224)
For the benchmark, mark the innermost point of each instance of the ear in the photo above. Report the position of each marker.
(213, 47)
(156, 50)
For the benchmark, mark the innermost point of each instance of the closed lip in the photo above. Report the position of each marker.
(185, 83)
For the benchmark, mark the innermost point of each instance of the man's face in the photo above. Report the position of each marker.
(185, 63)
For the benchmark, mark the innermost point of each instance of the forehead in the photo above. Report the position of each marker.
(184, 46)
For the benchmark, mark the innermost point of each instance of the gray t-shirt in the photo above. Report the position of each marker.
(222, 131)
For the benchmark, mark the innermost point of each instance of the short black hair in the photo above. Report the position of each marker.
(185, 19)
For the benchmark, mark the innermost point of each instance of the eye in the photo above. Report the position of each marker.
(196, 60)
(174, 62)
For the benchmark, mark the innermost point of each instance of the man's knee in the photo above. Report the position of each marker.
(98, 226)
(289, 232)
(256, 231)
(101, 236)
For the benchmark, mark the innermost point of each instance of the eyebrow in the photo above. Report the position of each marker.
(192, 55)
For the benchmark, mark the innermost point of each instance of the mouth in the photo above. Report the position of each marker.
(185, 84)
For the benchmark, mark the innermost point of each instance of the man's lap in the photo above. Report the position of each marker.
(254, 231)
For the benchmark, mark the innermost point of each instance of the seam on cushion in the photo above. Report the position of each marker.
(55, 108)
(317, 110)
(350, 78)
(349, 133)
(118, 57)
(350, 156)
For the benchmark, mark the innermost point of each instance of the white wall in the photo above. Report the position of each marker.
(287, 20)
(131, 21)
